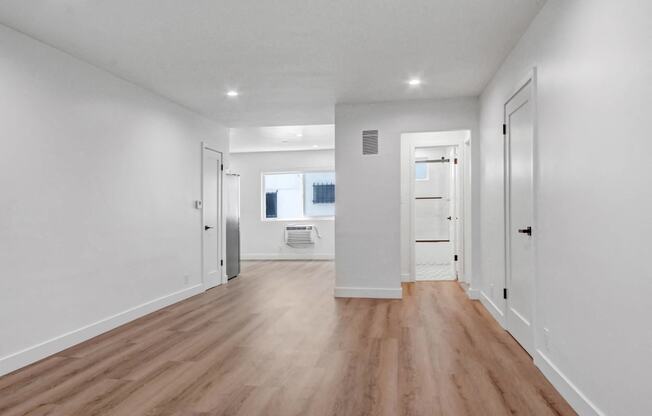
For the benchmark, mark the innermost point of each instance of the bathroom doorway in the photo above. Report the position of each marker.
(436, 206)
(435, 213)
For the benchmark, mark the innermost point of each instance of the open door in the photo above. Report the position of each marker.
(519, 218)
(212, 217)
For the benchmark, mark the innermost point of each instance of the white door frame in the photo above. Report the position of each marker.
(212, 147)
(464, 199)
(530, 79)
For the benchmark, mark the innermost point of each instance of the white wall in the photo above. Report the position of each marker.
(264, 239)
(594, 61)
(97, 180)
(368, 227)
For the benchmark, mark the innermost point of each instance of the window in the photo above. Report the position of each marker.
(421, 171)
(298, 195)
(319, 194)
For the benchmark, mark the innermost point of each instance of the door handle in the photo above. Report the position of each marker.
(527, 230)
(449, 218)
(206, 227)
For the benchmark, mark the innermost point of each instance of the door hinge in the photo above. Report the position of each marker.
(456, 161)
(505, 293)
(221, 167)
(504, 129)
(455, 257)
(221, 262)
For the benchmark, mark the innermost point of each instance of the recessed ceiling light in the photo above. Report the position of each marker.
(315, 146)
(299, 134)
(232, 93)
(414, 82)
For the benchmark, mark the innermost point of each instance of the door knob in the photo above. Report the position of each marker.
(527, 230)
(449, 218)
(206, 227)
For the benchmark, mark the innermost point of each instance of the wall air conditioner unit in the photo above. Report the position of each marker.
(300, 236)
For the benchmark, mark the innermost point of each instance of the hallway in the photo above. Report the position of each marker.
(274, 341)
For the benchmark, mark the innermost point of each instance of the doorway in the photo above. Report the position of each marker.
(438, 260)
(519, 214)
(435, 213)
(212, 262)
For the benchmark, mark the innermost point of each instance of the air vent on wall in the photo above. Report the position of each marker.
(370, 142)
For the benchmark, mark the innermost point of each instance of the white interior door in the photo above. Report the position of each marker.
(211, 227)
(519, 120)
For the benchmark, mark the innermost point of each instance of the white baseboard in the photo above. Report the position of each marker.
(368, 292)
(578, 401)
(54, 345)
(405, 277)
(473, 294)
(493, 309)
(288, 256)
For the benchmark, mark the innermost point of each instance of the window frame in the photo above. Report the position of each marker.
(302, 173)
(427, 178)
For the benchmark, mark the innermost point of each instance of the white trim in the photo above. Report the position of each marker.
(463, 148)
(569, 391)
(326, 218)
(276, 150)
(288, 256)
(494, 310)
(59, 343)
(473, 294)
(369, 292)
(405, 277)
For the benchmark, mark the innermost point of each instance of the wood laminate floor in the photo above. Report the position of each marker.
(274, 341)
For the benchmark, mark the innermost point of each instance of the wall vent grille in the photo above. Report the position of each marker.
(370, 142)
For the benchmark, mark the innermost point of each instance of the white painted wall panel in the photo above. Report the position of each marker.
(593, 202)
(97, 180)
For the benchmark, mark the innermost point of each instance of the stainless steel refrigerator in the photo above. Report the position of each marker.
(232, 216)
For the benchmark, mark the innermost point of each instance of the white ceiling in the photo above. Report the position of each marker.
(291, 60)
(282, 138)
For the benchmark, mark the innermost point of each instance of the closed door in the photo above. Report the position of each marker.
(212, 183)
(519, 119)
